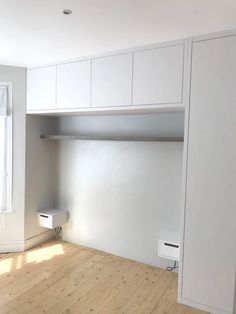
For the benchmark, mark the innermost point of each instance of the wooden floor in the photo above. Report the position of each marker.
(60, 277)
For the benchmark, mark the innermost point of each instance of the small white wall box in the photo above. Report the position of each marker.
(52, 218)
(168, 250)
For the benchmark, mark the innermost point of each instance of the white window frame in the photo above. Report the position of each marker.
(9, 142)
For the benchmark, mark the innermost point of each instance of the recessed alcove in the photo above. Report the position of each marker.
(121, 183)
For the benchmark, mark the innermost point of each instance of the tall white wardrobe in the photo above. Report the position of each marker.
(209, 233)
(195, 77)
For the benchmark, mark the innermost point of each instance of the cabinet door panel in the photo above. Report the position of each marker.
(111, 81)
(41, 88)
(158, 76)
(73, 85)
(210, 227)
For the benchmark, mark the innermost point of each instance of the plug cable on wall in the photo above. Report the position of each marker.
(170, 268)
(58, 231)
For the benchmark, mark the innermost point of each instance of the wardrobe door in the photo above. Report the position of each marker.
(158, 75)
(111, 81)
(209, 260)
(41, 88)
(73, 85)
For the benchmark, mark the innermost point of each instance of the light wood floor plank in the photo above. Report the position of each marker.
(104, 270)
(108, 282)
(32, 264)
(138, 296)
(167, 300)
(61, 277)
(60, 287)
(57, 267)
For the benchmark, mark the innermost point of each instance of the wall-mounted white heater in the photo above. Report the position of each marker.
(52, 218)
(168, 250)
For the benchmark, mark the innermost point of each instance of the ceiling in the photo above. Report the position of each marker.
(35, 32)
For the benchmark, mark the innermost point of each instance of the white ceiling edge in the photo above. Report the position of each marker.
(34, 33)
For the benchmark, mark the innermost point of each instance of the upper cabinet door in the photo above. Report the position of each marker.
(158, 75)
(41, 88)
(73, 85)
(112, 81)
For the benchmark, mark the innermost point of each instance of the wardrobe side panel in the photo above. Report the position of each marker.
(210, 224)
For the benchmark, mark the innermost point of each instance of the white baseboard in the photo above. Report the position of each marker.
(203, 307)
(11, 247)
(38, 239)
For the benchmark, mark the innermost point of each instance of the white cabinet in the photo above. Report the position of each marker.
(210, 226)
(147, 77)
(73, 85)
(41, 88)
(112, 80)
(158, 75)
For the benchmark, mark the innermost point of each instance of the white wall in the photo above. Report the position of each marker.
(122, 196)
(39, 174)
(12, 224)
(169, 124)
(31, 161)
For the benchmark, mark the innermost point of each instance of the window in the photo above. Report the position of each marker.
(5, 148)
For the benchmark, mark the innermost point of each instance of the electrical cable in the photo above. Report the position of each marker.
(58, 231)
(170, 268)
